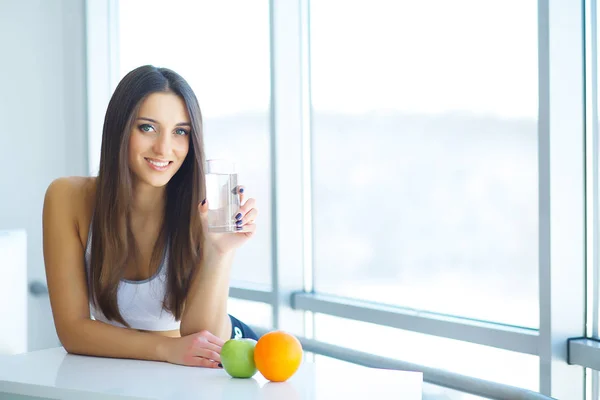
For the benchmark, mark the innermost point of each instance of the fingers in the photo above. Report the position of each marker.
(247, 229)
(203, 206)
(212, 338)
(249, 205)
(208, 354)
(246, 217)
(201, 362)
(250, 217)
(240, 191)
(203, 343)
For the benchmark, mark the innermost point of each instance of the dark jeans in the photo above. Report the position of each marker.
(241, 330)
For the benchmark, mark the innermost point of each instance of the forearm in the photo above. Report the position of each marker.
(96, 338)
(206, 304)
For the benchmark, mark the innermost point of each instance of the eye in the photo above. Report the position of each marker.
(146, 127)
(181, 132)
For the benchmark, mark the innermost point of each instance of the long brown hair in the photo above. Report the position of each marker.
(112, 239)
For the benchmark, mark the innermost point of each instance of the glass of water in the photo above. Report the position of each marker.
(222, 196)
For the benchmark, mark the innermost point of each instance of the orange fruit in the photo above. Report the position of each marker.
(278, 355)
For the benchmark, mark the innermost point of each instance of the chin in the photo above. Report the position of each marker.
(153, 181)
(158, 183)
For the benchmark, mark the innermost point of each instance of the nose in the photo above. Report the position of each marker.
(162, 145)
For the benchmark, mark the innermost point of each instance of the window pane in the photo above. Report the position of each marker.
(425, 155)
(484, 362)
(251, 313)
(224, 55)
(591, 383)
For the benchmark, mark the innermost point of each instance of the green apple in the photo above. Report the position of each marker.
(237, 357)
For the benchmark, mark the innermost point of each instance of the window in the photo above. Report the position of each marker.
(224, 55)
(429, 146)
(425, 172)
(251, 313)
(483, 362)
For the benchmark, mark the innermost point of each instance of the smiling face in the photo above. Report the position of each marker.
(160, 139)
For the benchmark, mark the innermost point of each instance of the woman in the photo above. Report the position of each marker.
(131, 246)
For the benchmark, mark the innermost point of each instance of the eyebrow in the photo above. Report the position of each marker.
(156, 122)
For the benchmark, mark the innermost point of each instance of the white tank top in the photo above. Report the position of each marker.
(140, 302)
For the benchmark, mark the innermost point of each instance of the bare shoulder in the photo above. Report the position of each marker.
(72, 190)
(72, 198)
(73, 184)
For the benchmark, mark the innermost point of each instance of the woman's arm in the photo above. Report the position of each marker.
(206, 304)
(65, 273)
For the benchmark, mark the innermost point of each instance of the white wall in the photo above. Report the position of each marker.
(13, 291)
(42, 124)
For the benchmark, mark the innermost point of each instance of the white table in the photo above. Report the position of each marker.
(54, 374)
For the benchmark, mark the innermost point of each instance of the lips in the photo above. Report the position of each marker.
(158, 165)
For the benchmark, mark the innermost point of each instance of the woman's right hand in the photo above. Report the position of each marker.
(202, 349)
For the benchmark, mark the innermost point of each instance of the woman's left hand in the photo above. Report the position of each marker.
(245, 222)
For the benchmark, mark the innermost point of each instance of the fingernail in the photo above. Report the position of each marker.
(238, 222)
(220, 365)
(239, 227)
(203, 201)
(241, 190)
(238, 216)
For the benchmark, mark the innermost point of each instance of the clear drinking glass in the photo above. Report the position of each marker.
(222, 196)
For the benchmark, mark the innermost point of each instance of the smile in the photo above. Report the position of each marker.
(158, 165)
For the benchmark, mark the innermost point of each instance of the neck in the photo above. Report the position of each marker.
(148, 202)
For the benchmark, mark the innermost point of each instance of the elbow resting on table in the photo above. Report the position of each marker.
(68, 338)
(70, 345)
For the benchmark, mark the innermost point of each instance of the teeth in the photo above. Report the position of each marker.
(157, 163)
